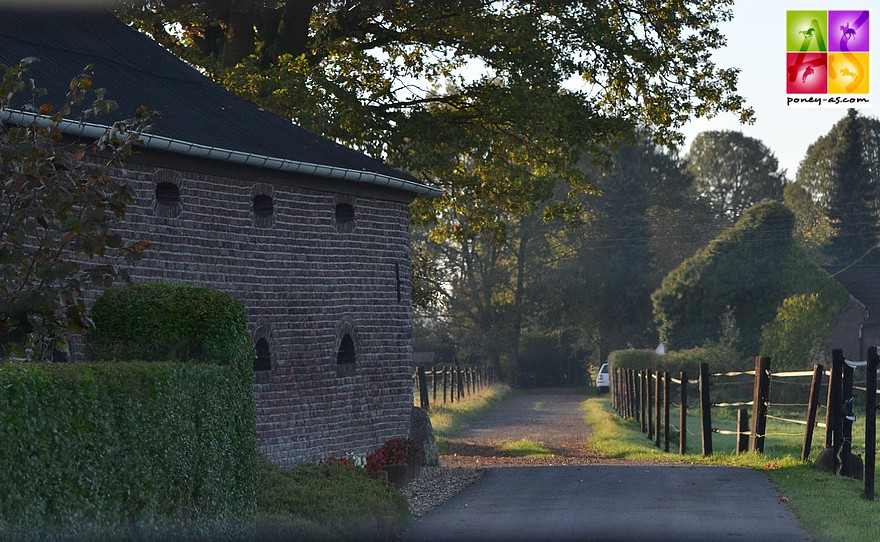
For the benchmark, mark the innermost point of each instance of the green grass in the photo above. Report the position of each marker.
(829, 507)
(451, 417)
(524, 448)
(326, 502)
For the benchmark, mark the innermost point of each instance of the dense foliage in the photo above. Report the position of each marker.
(632, 358)
(798, 335)
(161, 321)
(124, 449)
(327, 502)
(733, 172)
(841, 173)
(58, 206)
(743, 274)
(493, 102)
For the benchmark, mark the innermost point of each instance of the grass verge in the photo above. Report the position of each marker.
(523, 448)
(829, 507)
(451, 417)
(326, 502)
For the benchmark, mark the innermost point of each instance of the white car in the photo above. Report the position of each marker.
(603, 379)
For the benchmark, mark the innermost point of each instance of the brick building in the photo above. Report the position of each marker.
(859, 326)
(312, 237)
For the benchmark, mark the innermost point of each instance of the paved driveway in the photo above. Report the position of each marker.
(586, 498)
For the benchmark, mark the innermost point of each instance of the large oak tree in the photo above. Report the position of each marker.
(493, 101)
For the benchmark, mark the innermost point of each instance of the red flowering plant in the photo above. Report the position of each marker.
(333, 460)
(397, 451)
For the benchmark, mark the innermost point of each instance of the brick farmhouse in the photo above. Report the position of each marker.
(313, 237)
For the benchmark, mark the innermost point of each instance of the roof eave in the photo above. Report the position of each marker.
(162, 143)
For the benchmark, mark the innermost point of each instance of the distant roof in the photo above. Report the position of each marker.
(863, 283)
(137, 71)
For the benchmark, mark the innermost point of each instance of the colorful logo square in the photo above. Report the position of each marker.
(808, 73)
(828, 58)
(848, 31)
(806, 30)
(848, 73)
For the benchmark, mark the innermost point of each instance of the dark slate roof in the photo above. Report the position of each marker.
(136, 71)
(863, 283)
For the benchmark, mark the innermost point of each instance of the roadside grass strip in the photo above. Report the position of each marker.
(829, 507)
(451, 417)
(523, 448)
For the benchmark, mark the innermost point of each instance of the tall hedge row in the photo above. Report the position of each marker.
(158, 321)
(134, 444)
(105, 444)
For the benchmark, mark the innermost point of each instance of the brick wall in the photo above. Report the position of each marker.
(305, 281)
(846, 334)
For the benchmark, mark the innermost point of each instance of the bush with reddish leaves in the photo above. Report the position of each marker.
(397, 451)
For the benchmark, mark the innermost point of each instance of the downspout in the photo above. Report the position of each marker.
(196, 150)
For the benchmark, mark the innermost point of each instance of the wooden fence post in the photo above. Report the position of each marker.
(612, 374)
(658, 391)
(423, 388)
(847, 418)
(667, 382)
(637, 386)
(682, 417)
(871, 421)
(760, 401)
(643, 398)
(627, 390)
(649, 399)
(705, 409)
(434, 384)
(812, 409)
(742, 428)
(835, 404)
(617, 391)
(646, 403)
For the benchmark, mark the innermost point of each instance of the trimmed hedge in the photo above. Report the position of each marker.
(157, 321)
(632, 359)
(143, 449)
(87, 446)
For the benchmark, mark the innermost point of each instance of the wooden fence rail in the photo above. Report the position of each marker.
(452, 381)
(646, 397)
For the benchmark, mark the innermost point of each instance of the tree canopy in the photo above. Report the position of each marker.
(745, 273)
(734, 171)
(841, 172)
(493, 101)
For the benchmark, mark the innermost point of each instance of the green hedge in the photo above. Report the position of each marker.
(160, 322)
(632, 359)
(129, 449)
(87, 446)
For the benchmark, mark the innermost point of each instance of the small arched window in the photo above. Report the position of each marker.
(345, 357)
(263, 206)
(167, 193)
(263, 361)
(344, 217)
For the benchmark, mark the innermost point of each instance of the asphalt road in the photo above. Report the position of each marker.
(592, 501)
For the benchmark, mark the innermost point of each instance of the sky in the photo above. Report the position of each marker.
(756, 44)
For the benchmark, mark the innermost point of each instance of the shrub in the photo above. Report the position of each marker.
(397, 451)
(88, 446)
(120, 448)
(632, 359)
(161, 321)
(329, 501)
(720, 358)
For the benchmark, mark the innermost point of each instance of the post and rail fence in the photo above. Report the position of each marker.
(450, 383)
(647, 397)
